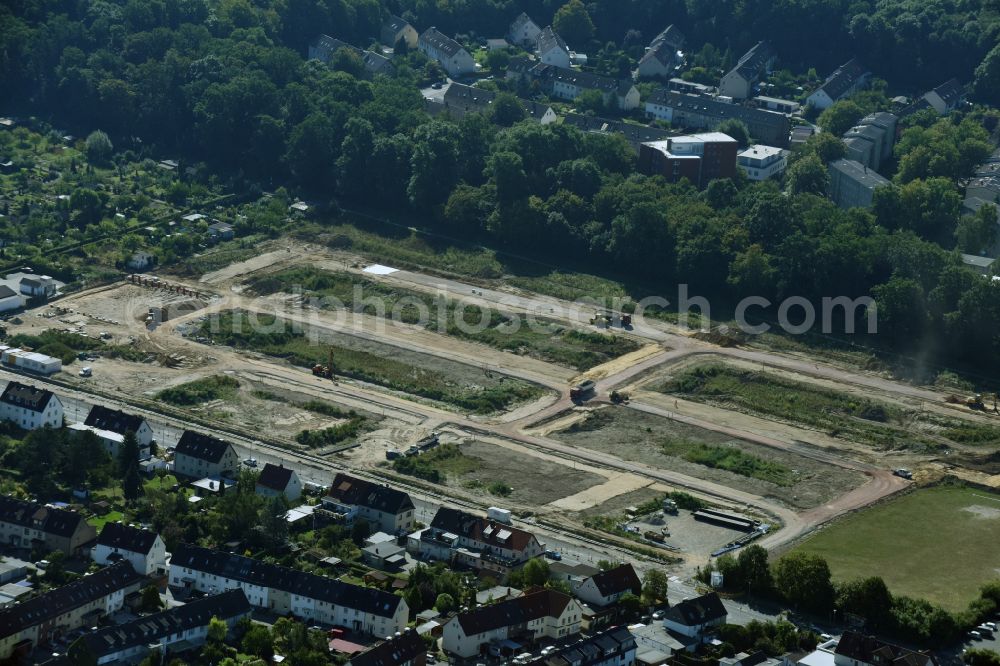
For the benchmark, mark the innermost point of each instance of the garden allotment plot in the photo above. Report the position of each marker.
(939, 544)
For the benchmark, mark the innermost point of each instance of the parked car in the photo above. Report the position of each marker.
(553, 555)
(975, 635)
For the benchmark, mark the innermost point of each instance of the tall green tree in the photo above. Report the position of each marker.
(99, 147)
(808, 176)
(128, 467)
(654, 586)
(804, 581)
(573, 23)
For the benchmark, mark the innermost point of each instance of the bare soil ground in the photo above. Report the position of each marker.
(633, 435)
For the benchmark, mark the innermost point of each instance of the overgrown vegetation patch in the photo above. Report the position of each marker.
(207, 389)
(730, 459)
(377, 365)
(545, 340)
(840, 414)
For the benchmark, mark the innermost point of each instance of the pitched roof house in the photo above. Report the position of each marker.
(81, 603)
(143, 549)
(198, 455)
(186, 624)
(552, 49)
(610, 647)
(661, 58)
(9, 300)
(524, 32)
(696, 618)
(384, 508)
(846, 80)
(570, 83)
(540, 613)
(119, 422)
(29, 407)
(461, 100)
(282, 590)
(476, 542)
(856, 649)
(278, 480)
(450, 54)
(634, 134)
(608, 587)
(406, 649)
(946, 96)
(25, 524)
(322, 49)
(738, 83)
(395, 29)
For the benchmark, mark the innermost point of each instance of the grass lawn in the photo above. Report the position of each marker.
(937, 543)
(109, 517)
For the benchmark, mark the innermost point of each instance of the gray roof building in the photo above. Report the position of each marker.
(852, 184)
(325, 46)
(703, 112)
(152, 629)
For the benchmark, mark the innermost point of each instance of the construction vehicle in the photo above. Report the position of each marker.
(619, 397)
(972, 401)
(320, 370)
(582, 390)
(654, 536)
(607, 319)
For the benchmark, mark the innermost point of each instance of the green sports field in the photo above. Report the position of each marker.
(940, 544)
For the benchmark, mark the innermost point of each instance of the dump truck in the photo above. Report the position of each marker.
(582, 390)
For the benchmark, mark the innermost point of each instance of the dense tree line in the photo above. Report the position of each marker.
(230, 87)
(804, 582)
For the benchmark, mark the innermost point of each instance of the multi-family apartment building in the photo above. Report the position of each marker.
(281, 590)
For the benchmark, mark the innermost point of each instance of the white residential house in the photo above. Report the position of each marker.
(541, 614)
(80, 604)
(9, 299)
(30, 408)
(661, 57)
(143, 549)
(570, 84)
(186, 624)
(117, 421)
(201, 456)
(450, 55)
(608, 587)
(40, 286)
(696, 618)
(946, 96)
(739, 82)
(524, 32)
(279, 590)
(111, 441)
(395, 29)
(382, 507)
(552, 49)
(761, 162)
(278, 480)
(846, 80)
